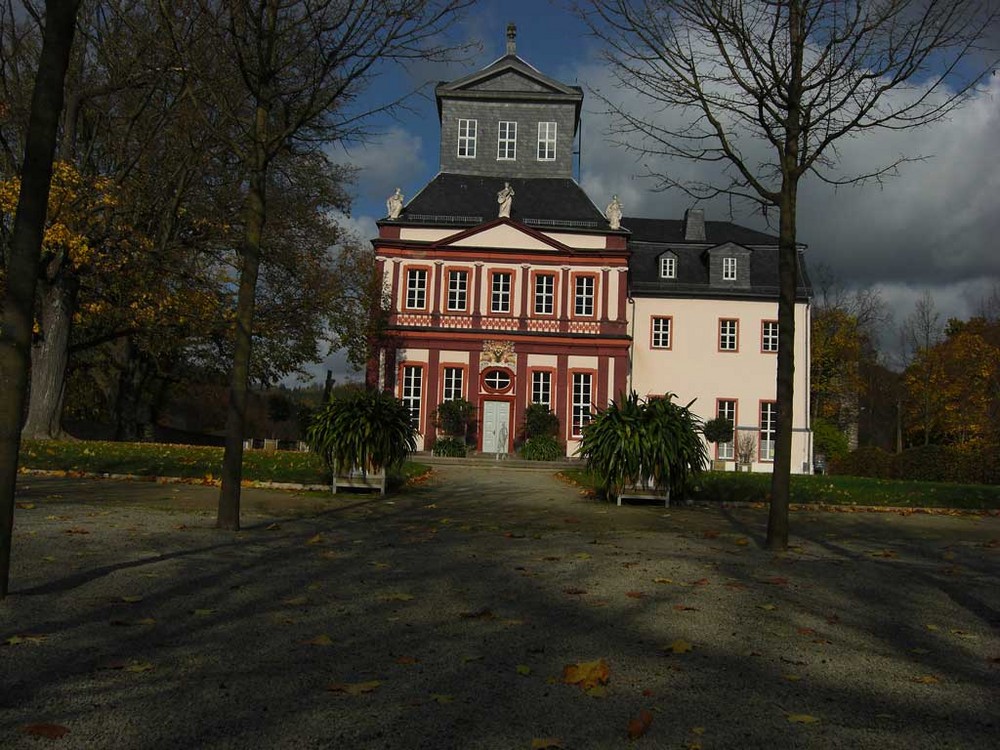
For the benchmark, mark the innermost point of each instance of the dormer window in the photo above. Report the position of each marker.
(507, 141)
(668, 267)
(729, 269)
(466, 139)
(546, 141)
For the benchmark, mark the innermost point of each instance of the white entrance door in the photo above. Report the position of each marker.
(496, 426)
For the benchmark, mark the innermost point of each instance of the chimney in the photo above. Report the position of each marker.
(511, 39)
(694, 225)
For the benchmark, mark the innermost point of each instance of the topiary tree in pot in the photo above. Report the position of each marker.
(718, 430)
(644, 443)
(366, 429)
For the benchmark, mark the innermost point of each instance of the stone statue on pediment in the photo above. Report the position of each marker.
(505, 198)
(394, 204)
(613, 213)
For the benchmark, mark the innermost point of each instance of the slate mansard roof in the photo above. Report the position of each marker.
(651, 238)
(451, 199)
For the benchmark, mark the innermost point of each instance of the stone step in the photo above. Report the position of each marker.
(490, 460)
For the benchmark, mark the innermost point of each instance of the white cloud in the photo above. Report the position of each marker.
(392, 159)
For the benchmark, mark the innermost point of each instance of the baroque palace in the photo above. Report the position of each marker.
(508, 286)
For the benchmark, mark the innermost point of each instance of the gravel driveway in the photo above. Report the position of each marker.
(444, 617)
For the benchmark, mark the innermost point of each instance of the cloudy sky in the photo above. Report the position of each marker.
(933, 227)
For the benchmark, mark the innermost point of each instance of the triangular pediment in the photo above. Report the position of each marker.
(503, 234)
(509, 74)
(727, 247)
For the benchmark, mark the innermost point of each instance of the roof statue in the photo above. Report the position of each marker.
(505, 198)
(613, 213)
(394, 204)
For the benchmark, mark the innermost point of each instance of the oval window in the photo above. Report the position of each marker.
(497, 380)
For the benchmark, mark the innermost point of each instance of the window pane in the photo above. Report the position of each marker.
(546, 141)
(453, 377)
(768, 429)
(668, 268)
(581, 402)
(541, 388)
(661, 333)
(500, 297)
(544, 294)
(726, 410)
(769, 336)
(416, 288)
(458, 290)
(467, 139)
(729, 269)
(584, 297)
(728, 335)
(413, 378)
(507, 140)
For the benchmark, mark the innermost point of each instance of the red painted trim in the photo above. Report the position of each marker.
(760, 426)
(524, 291)
(623, 296)
(428, 287)
(670, 332)
(615, 242)
(554, 274)
(436, 305)
(389, 232)
(718, 337)
(483, 388)
(423, 389)
(396, 269)
(477, 300)
(594, 387)
(601, 400)
(533, 233)
(574, 275)
(584, 344)
(762, 349)
(605, 291)
(445, 288)
(621, 374)
(736, 421)
(562, 394)
(422, 251)
(510, 299)
(432, 392)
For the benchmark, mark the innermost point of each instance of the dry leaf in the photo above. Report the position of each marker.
(742, 541)
(586, 674)
(17, 640)
(406, 660)
(49, 731)
(926, 679)
(767, 607)
(203, 612)
(801, 719)
(480, 614)
(575, 592)
(131, 599)
(700, 582)
(396, 597)
(546, 743)
(317, 539)
(777, 581)
(662, 580)
(442, 698)
(27, 506)
(639, 725)
(884, 553)
(353, 688)
(296, 601)
(680, 646)
(272, 527)
(523, 669)
(320, 640)
(138, 667)
(634, 594)
(598, 691)
(685, 608)
(792, 677)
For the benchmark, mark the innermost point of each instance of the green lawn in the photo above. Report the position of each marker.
(189, 461)
(716, 486)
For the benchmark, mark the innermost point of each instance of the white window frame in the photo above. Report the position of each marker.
(661, 333)
(454, 380)
(458, 290)
(507, 140)
(668, 267)
(467, 130)
(501, 283)
(726, 408)
(729, 268)
(729, 334)
(413, 391)
(545, 294)
(546, 141)
(416, 289)
(769, 336)
(584, 292)
(768, 429)
(583, 383)
(541, 388)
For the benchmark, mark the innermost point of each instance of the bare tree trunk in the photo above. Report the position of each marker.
(49, 358)
(25, 254)
(232, 463)
(788, 276)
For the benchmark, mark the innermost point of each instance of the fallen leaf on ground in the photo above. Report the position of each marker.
(353, 688)
(76, 530)
(634, 594)
(932, 627)
(926, 679)
(203, 612)
(792, 677)
(397, 596)
(272, 527)
(320, 640)
(700, 582)
(17, 640)
(802, 719)
(742, 541)
(546, 743)
(884, 553)
(317, 539)
(442, 698)
(767, 607)
(582, 556)
(523, 669)
(586, 674)
(480, 614)
(685, 608)
(49, 731)
(662, 580)
(680, 646)
(639, 725)
(406, 660)
(131, 599)
(138, 667)
(711, 534)
(778, 581)
(598, 691)
(295, 601)
(26, 506)
(575, 592)
(806, 631)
